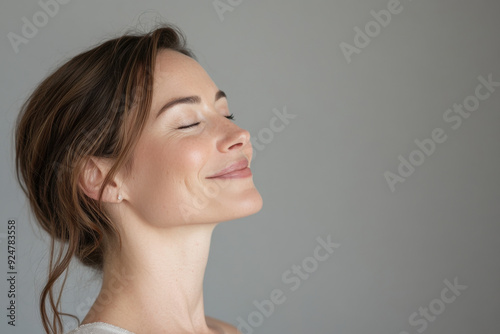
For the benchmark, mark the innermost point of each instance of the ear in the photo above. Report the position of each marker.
(92, 177)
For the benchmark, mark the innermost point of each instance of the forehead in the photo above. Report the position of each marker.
(177, 74)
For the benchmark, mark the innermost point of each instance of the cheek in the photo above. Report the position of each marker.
(169, 173)
(188, 167)
(186, 159)
(150, 177)
(172, 171)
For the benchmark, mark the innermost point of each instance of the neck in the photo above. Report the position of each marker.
(155, 283)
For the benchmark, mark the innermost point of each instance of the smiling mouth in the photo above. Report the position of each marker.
(238, 169)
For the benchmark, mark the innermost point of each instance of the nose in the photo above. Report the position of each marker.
(234, 138)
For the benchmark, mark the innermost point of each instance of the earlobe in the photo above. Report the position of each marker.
(92, 177)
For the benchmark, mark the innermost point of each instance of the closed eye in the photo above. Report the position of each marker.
(188, 126)
(231, 117)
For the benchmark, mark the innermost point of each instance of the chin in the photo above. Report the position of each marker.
(250, 204)
(247, 204)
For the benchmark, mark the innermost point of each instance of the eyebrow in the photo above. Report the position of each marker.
(188, 100)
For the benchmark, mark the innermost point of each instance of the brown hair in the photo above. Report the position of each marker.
(95, 104)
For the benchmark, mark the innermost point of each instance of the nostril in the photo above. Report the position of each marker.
(235, 145)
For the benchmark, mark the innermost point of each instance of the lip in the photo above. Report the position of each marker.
(236, 170)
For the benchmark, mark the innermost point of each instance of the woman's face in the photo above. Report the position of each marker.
(183, 145)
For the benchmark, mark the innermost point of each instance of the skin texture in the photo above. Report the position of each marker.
(169, 208)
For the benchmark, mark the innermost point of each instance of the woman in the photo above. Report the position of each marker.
(129, 157)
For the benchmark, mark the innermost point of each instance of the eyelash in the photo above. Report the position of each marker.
(231, 117)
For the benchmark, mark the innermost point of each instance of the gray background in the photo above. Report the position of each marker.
(323, 174)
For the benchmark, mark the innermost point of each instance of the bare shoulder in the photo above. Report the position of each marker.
(222, 326)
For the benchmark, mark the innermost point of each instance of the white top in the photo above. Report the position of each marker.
(99, 328)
